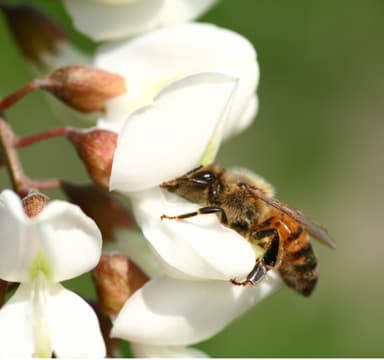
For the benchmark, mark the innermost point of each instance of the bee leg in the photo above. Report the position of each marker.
(255, 276)
(269, 260)
(201, 211)
(271, 257)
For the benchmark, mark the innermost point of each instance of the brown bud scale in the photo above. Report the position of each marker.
(34, 203)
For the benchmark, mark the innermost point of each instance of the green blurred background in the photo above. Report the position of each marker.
(318, 137)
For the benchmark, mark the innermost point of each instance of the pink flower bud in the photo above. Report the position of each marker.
(108, 213)
(96, 148)
(36, 34)
(84, 88)
(34, 203)
(116, 279)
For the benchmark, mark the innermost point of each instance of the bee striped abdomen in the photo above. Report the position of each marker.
(298, 266)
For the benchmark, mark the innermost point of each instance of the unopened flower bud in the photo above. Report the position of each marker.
(34, 203)
(36, 34)
(84, 88)
(96, 148)
(108, 213)
(116, 279)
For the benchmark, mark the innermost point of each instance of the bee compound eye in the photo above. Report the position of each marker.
(204, 177)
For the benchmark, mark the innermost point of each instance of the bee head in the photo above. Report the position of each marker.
(195, 185)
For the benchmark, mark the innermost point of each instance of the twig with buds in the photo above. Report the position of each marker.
(83, 88)
(95, 148)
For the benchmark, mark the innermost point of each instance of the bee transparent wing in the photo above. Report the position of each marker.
(309, 225)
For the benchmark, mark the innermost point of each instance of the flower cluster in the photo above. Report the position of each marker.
(164, 93)
(40, 246)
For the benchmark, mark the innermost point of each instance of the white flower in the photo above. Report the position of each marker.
(189, 297)
(152, 61)
(112, 19)
(189, 109)
(177, 312)
(199, 247)
(42, 317)
(171, 136)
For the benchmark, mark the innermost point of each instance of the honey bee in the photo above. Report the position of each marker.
(244, 202)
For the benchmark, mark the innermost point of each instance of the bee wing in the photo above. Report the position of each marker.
(309, 225)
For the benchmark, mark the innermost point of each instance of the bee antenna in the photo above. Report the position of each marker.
(192, 171)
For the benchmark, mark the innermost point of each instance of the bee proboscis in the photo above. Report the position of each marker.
(244, 202)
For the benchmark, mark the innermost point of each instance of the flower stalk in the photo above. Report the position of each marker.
(13, 98)
(20, 182)
(32, 139)
(9, 156)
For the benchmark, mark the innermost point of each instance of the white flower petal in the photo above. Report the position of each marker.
(16, 334)
(18, 241)
(175, 312)
(244, 119)
(105, 20)
(248, 75)
(54, 242)
(70, 240)
(178, 51)
(199, 246)
(74, 328)
(175, 11)
(153, 351)
(10, 202)
(170, 137)
(151, 61)
(133, 244)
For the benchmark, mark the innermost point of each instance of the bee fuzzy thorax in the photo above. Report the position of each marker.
(239, 174)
